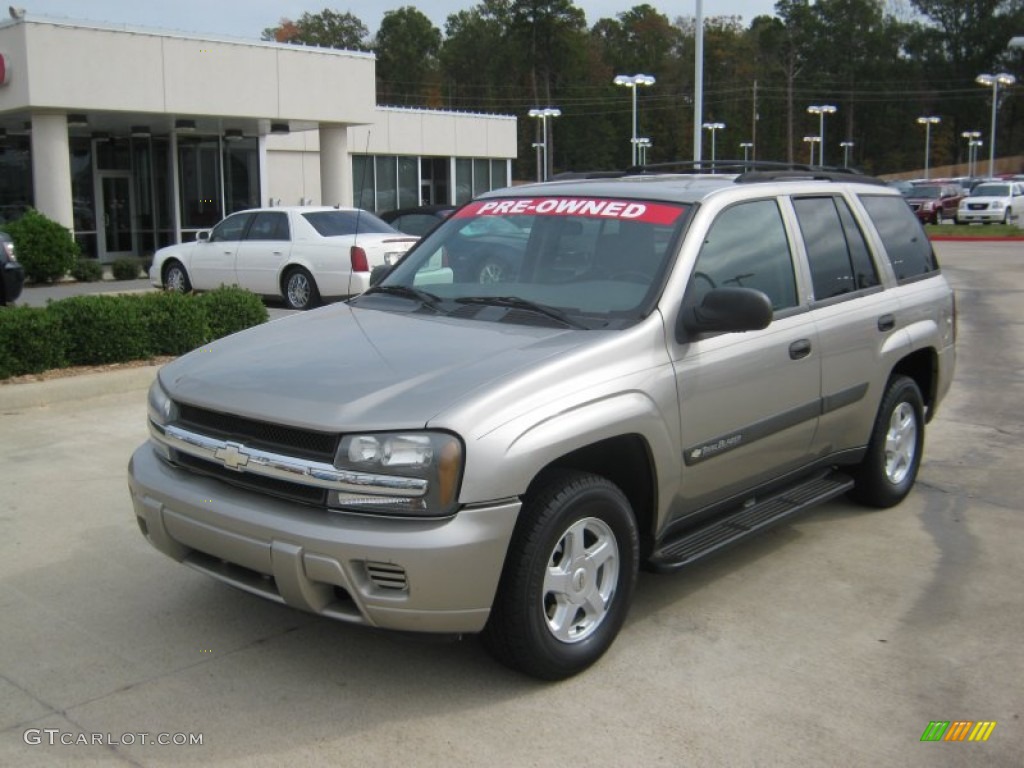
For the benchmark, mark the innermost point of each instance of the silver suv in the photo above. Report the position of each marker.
(664, 365)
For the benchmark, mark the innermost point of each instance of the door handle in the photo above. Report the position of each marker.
(887, 322)
(800, 349)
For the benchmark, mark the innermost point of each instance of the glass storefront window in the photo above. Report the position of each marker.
(199, 169)
(362, 182)
(387, 183)
(408, 182)
(499, 174)
(83, 196)
(15, 177)
(463, 180)
(241, 174)
(481, 176)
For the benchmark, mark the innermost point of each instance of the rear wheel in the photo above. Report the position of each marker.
(888, 471)
(300, 291)
(568, 579)
(176, 278)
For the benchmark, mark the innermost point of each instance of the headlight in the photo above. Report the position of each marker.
(400, 473)
(161, 408)
(928, 206)
(998, 205)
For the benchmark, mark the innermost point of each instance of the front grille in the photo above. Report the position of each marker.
(271, 486)
(977, 206)
(293, 441)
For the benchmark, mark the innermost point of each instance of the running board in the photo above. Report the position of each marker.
(694, 545)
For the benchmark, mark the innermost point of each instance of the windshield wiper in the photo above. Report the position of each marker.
(514, 302)
(425, 298)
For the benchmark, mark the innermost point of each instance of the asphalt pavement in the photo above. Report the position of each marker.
(832, 641)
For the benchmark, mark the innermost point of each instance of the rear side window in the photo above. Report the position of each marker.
(836, 251)
(747, 247)
(905, 242)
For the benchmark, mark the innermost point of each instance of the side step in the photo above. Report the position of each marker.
(712, 537)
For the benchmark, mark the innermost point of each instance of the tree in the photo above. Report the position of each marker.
(328, 28)
(407, 47)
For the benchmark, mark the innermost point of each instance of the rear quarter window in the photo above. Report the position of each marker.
(906, 244)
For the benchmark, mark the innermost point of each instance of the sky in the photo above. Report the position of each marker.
(248, 18)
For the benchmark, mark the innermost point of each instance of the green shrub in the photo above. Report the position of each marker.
(102, 329)
(33, 341)
(125, 269)
(46, 249)
(87, 271)
(175, 323)
(230, 309)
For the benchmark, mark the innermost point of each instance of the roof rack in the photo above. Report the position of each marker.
(752, 171)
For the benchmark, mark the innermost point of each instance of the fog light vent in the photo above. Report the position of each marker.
(387, 576)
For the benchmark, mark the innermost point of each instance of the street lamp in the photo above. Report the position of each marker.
(632, 82)
(972, 141)
(928, 121)
(642, 145)
(995, 81)
(847, 146)
(746, 146)
(821, 111)
(811, 141)
(714, 128)
(543, 115)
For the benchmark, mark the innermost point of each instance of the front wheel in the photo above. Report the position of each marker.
(889, 469)
(568, 578)
(300, 291)
(1007, 215)
(176, 278)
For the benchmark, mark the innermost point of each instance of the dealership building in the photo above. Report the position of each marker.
(137, 138)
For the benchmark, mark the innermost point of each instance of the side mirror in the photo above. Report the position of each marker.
(378, 273)
(203, 235)
(726, 310)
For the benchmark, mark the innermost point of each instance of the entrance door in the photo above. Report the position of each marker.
(116, 208)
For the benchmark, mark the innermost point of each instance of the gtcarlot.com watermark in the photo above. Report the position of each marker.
(57, 737)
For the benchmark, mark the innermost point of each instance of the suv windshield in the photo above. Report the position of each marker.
(991, 190)
(579, 262)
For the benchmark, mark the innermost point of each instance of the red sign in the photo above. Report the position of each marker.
(3, 69)
(593, 207)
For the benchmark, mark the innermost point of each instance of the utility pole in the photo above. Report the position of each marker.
(753, 125)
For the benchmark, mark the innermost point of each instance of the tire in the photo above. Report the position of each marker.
(176, 278)
(1007, 215)
(493, 270)
(568, 579)
(889, 469)
(300, 291)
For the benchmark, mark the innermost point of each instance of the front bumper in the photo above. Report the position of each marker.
(411, 575)
(13, 281)
(968, 217)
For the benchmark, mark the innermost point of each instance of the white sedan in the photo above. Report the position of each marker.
(302, 253)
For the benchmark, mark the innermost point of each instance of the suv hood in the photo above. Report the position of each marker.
(342, 368)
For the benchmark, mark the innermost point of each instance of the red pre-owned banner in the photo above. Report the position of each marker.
(630, 210)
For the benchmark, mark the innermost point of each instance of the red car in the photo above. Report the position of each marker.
(934, 202)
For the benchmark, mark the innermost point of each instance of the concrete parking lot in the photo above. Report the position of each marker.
(833, 641)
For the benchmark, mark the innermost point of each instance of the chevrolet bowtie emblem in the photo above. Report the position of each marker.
(232, 455)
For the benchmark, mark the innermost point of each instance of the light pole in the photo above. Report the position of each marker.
(847, 146)
(633, 82)
(543, 115)
(714, 128)
(642, 145)
(972, 137)
(821, 111)
(928, 121)
(975, 146)
(995, 81)
(746, 146)
(811, 141)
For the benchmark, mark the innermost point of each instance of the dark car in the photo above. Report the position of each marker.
(419, 220)
(12, 274)
(934, 202)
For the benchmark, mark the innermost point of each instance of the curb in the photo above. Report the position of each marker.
(40, 394)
